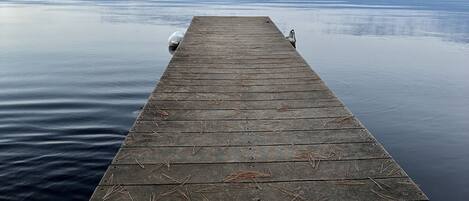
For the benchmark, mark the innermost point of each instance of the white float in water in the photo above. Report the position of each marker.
(174, 41)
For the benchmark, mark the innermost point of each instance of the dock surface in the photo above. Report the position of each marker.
(239, 115)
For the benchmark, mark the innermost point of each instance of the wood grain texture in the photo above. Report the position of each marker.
(239, 115)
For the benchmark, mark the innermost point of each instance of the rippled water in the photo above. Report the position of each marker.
(73, 75)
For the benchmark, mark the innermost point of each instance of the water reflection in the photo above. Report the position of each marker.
(448, 20)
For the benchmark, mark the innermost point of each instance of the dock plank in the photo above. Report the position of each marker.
(243, 88)
(271, 153)
(221, 139)
(246, 125)
(239, 82)
(240, 115)
(246, 96)
(401, 189)
(227, 104)
(238, 76)
(272, 172)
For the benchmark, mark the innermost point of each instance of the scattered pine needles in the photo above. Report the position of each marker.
(245, 175)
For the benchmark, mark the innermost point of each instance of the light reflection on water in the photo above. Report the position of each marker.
(74, 73)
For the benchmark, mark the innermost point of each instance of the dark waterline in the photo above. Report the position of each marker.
(73, 75)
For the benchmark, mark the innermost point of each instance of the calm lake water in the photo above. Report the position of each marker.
(73, 75)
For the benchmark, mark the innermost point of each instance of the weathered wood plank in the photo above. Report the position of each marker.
(188, 82)
(366, 189)
(267, 104)
(217, 76)
(150, 114)
(277, 153)
(270, 172)
(246, 96)
(202, 70)
(237, 61)
(242, 88)
(238, 42)
(237, 65)
(247, 138)
(245, 125)
(220, 51)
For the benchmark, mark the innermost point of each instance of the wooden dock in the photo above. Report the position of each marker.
(239, 115)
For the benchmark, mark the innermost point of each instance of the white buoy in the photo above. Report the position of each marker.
(174, 41)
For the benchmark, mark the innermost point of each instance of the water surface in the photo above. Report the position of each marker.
(73, 75)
